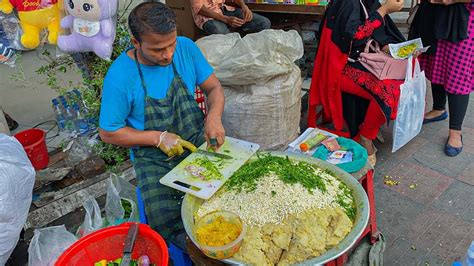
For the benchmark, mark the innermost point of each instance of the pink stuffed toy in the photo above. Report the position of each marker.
(92, 27)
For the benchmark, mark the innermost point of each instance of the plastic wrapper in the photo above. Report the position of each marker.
(48, 244)
(92, 25)
(92, 220)
(8, 28)
(121, 203)
(411, 106)
(35, 17)
(17, 177)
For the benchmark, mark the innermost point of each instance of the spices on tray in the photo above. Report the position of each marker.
(218, 233)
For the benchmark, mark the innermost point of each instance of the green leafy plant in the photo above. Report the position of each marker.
(93, 70)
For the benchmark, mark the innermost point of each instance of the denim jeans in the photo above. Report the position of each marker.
(257, 23)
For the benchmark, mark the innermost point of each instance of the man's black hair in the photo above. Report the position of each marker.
(151, 17)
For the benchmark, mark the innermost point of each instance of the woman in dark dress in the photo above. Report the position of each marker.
(347, 26)
(448, 26)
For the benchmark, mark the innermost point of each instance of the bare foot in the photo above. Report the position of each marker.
(434, 113)
(368, 145)
(455, 138)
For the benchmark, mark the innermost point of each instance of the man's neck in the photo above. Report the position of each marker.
(140, 58)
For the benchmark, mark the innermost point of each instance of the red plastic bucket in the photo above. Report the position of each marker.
(34, 143)
(107, 244)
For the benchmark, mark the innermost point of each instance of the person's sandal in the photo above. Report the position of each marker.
(452, 151)
(440, 117)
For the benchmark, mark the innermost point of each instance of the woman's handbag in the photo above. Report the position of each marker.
(382, 65)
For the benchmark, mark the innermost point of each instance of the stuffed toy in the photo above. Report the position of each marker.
(35, 15)
(92, 27)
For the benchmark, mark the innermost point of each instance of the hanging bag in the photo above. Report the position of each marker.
(382, 65)
(411, 106)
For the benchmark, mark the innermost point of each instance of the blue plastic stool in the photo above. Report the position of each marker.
(178, 256)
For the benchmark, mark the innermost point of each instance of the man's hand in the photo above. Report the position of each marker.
(247, 13)
(172, 144)
(214, 130)
(234, 22)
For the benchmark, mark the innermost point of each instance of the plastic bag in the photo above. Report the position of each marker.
(92, 27)
(121, 203)
(17, 177)
(48, 244)
(79, 151)
(7, 52)
(411, 106)
(254, 59)
(36, 16)
(92, 220)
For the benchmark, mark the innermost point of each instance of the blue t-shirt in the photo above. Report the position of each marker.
(123, 97)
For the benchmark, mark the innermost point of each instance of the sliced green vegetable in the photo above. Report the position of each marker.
(288, 171)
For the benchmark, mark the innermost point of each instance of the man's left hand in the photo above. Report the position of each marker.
(214, 130)
(247, 13)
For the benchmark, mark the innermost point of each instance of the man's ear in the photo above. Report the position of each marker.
(135, 43)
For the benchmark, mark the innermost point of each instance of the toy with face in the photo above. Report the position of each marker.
(35, 15)
(92, 26)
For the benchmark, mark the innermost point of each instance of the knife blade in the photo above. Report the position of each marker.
(129, 243)
(214, 154)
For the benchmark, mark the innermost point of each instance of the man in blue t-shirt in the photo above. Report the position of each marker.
(148, 104)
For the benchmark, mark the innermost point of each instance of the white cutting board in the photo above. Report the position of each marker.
(180, 179)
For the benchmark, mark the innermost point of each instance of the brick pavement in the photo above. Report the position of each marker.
(428, 218)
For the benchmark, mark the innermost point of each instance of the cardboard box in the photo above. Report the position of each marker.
(184, 17)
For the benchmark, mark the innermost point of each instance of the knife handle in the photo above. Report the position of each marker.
(213, 142)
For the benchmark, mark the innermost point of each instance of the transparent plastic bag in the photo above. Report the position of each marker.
(17, 177)
(411, 106)
(92, 27)
(48, 244)
(7, 51)
(121, 193)
(93, 218)
(36, 16)
(79, 151)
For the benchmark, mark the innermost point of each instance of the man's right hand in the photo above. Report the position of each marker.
(234, 22)
(391, 6)
(172, 144)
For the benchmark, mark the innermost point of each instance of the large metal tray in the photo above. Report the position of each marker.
(191, 204)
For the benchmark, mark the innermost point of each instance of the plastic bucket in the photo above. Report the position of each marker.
(34, 142)
(108, 243)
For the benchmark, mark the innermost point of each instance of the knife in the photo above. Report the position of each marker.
(214, 154)
(129, 242)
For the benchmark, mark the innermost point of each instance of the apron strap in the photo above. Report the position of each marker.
(140, 73)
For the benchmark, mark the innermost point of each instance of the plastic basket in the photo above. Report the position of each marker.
(108, 244)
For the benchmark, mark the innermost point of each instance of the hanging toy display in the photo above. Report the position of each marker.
(92, 24)
(35, 15)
